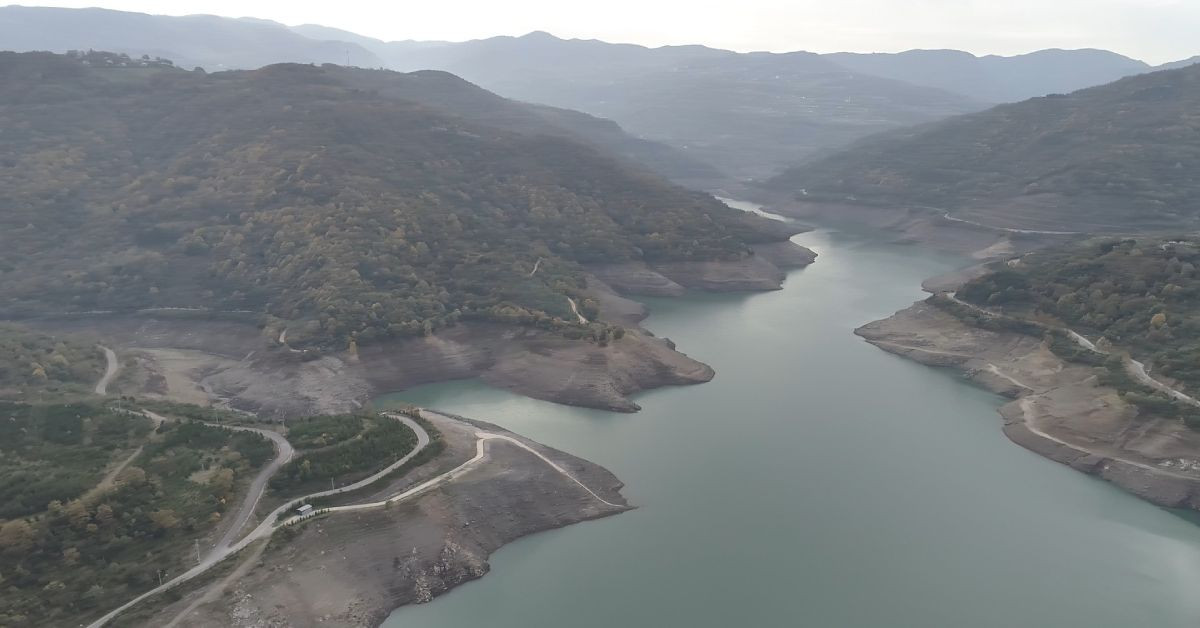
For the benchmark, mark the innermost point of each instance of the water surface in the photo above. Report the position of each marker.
(818, 481)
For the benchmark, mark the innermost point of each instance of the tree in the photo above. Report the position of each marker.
(1158, 320)
(77, 513)
(165, 519)
(104, 514)
(16, 536)
(221, 483)
(135, 476)
(70, 556)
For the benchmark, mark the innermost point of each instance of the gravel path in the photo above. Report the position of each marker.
(111, 368)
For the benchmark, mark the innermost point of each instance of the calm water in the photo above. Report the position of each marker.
(818, 481)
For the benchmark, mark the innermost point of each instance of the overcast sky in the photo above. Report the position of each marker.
(1152, 30)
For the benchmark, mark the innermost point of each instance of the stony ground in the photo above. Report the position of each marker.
(234, 363)
(1059, 409)
(354, 568)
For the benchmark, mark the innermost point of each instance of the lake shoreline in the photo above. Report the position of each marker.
(233, 364)
(1058, 409)
(356, 568)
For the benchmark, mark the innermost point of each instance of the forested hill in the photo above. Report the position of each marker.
(451, 94)
(1110, 158)
(1141, 294)
(338, 209)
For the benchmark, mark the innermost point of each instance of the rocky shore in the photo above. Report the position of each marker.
(913, 225)
(236, 364)
(759, 272)
(354, 568)
(1058, 408)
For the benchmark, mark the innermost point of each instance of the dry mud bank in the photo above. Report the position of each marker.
(921, 226)
(274, 382)
(237, 364)
(760, 272)
(353, 568)
(1059, 410)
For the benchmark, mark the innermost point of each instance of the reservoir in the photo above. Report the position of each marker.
(818, 481)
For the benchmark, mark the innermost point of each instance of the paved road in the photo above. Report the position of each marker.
(575, 309)
(480, 454)
(1027, 411)
(111, 368)
(283, 455)
(947, 216)
(1137, 370)
(269, 524)
(1134, 368)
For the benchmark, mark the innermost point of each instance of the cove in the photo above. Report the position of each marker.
(818, 481)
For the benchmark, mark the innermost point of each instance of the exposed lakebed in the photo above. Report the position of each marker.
(819, 481)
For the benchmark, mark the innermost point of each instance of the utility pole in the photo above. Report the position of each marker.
(160, 577)
(197, 551)
(331, 486)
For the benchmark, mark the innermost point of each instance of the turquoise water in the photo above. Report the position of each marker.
(818, 481)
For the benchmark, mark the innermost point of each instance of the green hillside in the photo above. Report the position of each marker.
(1109, 158)
(1142, 295)
(336, 209)
(34, 364)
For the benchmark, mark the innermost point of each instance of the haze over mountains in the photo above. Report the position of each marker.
(355, 203)
(997, 79)
(746, 115)
(215, 43)
(1117, 157)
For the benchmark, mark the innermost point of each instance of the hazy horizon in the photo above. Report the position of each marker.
(1159, 33)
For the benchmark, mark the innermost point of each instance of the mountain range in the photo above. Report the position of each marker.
(338, 202)
(725, 114)
(1118, 157)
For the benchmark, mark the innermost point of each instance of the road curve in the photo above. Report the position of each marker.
(1137, 370)
(1134, 368)
(947, 216)
(1027, 413)
(575, 309)
(111, 368)
(283, 454)
(480, 454)
(268, 526)
(258, 487)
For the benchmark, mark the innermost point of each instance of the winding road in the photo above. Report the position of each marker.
(575, 309)
(947, 216)
(1135, 369)
(111, 368)
(271, 522)
(258, 487)
(1027, 411)
(480, 454)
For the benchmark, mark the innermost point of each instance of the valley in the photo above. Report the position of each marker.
(913, 491)
(300, 327)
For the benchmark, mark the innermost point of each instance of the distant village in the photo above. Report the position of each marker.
(119, 60)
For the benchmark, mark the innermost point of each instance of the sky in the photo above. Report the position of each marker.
(1155, 31)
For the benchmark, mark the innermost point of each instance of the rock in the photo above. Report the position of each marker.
(636, 278)
(786, 254)
(1061, 412)
(416, 550)
(746, 275)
